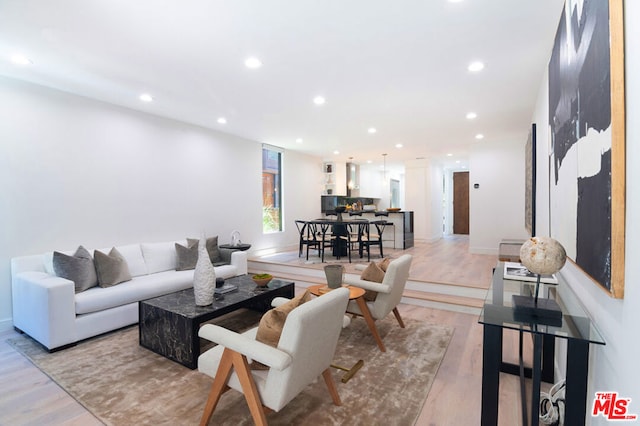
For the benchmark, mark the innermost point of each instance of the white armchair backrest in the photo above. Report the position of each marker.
(310, 335)
(396, 278)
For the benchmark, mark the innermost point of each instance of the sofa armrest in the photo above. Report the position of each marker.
(239, 260)
(249, 347)
(44, 308)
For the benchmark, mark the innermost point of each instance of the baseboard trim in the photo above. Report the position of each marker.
(483, 250)
(6, 324)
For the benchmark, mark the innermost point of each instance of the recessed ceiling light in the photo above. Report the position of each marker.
(475, 66)
(21, 60)
(399, 145)
(449, 155)
(336, 152)
(299, 140)
(145, 97)
(372, 130)
(479, 136)
(319, 100)
(471, 115)
(457, 161)
(222, 120)
(252, 63)
(369, 161)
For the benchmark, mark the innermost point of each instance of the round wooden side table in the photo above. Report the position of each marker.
(320, 289)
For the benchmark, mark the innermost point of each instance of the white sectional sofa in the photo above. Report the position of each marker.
(47, 308)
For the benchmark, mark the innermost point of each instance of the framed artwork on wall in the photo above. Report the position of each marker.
(530, 183)
(587, 156)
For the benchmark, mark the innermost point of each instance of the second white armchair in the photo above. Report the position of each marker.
(389, 293)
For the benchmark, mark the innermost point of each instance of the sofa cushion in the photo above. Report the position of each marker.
(187, 257)
(139, 288)
(159, 257)
(111, 268)
(212, 248)
(135, 261)
(78, 268)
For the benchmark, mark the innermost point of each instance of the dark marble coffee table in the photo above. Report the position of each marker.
(169, 324)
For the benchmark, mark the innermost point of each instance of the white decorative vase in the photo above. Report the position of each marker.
(204, 277)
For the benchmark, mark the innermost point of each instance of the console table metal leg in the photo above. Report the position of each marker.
(576, 384)
(548, 351)
(491, 360)
(537, 377)
(523, 387)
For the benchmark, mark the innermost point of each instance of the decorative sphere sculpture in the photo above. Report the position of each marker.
(543, 255)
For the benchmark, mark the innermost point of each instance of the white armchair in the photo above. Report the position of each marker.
(305, 351)
(389, 294)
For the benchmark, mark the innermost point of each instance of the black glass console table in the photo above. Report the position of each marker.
(575, 326)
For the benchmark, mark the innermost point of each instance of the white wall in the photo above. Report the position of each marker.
(436, 217)
(423, 196)
(613, 367)
(496, 208)
(77, 171)
(370, 181)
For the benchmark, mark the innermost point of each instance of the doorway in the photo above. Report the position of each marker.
(461, 203)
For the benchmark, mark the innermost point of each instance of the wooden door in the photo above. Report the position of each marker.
(461, 203)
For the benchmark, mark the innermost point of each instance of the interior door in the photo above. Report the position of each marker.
(461, 203)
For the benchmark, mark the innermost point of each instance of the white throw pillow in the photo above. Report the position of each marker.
(133, 255)
(160, 257)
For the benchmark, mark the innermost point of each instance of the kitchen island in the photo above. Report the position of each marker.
(400, 234)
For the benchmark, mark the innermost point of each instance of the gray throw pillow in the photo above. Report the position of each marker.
(187, 256)
(112, 268)
(212, 247)
(78, 268)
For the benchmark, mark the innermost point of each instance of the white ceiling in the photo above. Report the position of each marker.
(400, 67)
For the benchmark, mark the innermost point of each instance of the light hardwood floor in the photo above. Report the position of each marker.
(29, 397)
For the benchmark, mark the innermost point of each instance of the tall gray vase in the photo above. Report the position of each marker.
(204, 277)
(335, 275)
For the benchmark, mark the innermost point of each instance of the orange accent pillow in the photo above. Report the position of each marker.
(272, 322)
(384, 264)
(373, 273)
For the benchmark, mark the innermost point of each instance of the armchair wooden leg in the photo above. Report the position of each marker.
(328, 379)
(362, 304)
(249, 388)
(398, 317)
(218, 387)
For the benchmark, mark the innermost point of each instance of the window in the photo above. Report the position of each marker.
(271, 189)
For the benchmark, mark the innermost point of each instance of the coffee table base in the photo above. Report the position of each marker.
(169, 324)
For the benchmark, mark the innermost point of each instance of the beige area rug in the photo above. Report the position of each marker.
(123, 384)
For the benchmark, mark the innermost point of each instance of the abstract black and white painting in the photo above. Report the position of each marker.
(580, 121)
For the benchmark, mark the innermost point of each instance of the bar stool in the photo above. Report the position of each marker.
(366, 239)
(390, 224)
